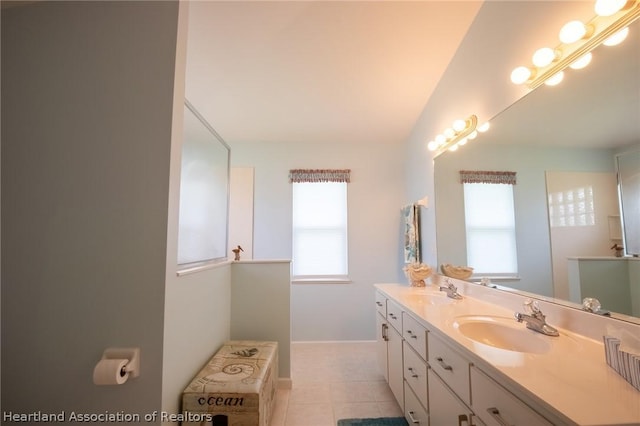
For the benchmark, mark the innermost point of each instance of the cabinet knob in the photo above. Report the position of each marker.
(495, 413)
(444, 364)
(379, 304)
(410, 333)
(413, 373)
(413, 420)
(392, 315)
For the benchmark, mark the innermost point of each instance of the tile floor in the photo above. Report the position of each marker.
(333, 381)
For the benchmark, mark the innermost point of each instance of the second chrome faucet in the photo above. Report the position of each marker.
(451, 290)
(535, 319)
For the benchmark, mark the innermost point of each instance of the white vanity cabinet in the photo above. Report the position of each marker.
(436, 383)
(389, 344)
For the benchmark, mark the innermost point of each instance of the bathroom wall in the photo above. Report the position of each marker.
(332, 311)
(197, 309)
(87, 95)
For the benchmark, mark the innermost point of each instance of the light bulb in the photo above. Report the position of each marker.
(440, 139)
(582, 61)
(572, 32)
(609, 7)
(543, 57)
(432, 146)
(472, 135)
(554, 79)
(459, 125)
(462, 141)
(520, 75)
(453, 147)
(617, 38)
(484, 127)
(449, 133)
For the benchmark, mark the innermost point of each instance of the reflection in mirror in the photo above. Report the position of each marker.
(558, 140)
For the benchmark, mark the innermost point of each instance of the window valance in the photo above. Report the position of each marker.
(487, 176)
(319, 175)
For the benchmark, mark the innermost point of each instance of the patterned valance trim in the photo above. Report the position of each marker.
(484, 176)
(326, 175)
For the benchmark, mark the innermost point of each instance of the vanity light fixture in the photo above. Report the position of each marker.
(609, 27)
(460, 132)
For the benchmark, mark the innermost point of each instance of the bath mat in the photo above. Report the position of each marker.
(382, 421)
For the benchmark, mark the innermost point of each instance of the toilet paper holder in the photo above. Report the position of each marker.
(132, 354)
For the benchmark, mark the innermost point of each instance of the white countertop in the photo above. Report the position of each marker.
(571, 378)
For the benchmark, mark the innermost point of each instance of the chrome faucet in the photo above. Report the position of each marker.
(451, 290)
(535, 319)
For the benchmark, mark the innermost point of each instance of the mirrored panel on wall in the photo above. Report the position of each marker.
(562, 142)
(204, 193)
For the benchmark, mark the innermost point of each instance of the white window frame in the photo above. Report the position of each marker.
(339, 226)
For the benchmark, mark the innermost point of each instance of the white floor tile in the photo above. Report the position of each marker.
(333, 381)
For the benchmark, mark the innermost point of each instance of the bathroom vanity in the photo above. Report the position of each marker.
(469, 362)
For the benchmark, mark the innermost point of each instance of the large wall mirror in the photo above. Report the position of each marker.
(558, 139)
(204, 193)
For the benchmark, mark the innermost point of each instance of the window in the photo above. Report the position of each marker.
(319, 231)
(490, 227)
(573, 207)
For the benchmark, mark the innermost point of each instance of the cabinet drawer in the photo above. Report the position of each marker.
(415, 373)
(497, 406)
(381, 304)
(452, 367)
(394, 315)
(415, 334)
(414, 412)
(444, 407)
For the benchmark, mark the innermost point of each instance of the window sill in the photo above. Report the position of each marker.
(321, 280)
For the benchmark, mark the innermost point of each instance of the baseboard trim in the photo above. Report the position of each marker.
(285, 383)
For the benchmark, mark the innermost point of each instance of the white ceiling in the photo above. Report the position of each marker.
(363, 71)
(325, 71)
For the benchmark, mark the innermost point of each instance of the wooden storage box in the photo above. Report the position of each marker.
(236, 387)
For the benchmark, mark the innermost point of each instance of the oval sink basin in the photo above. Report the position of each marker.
(503, 333)
(431, 297)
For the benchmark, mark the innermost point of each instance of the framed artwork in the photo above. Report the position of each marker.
(411, 226)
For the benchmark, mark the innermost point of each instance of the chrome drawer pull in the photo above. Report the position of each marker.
(495, 413)
(443, 364)
(414, 421)
(413, 373)
(385, 337)
(410, 333)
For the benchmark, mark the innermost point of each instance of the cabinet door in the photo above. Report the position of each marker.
(394, 315)
(450, 365)
(414, 411)
(415, 334)
(381, 304)
(394, 351)
(381, 345)
(415, 373)
(444, 407)
(496, 406)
